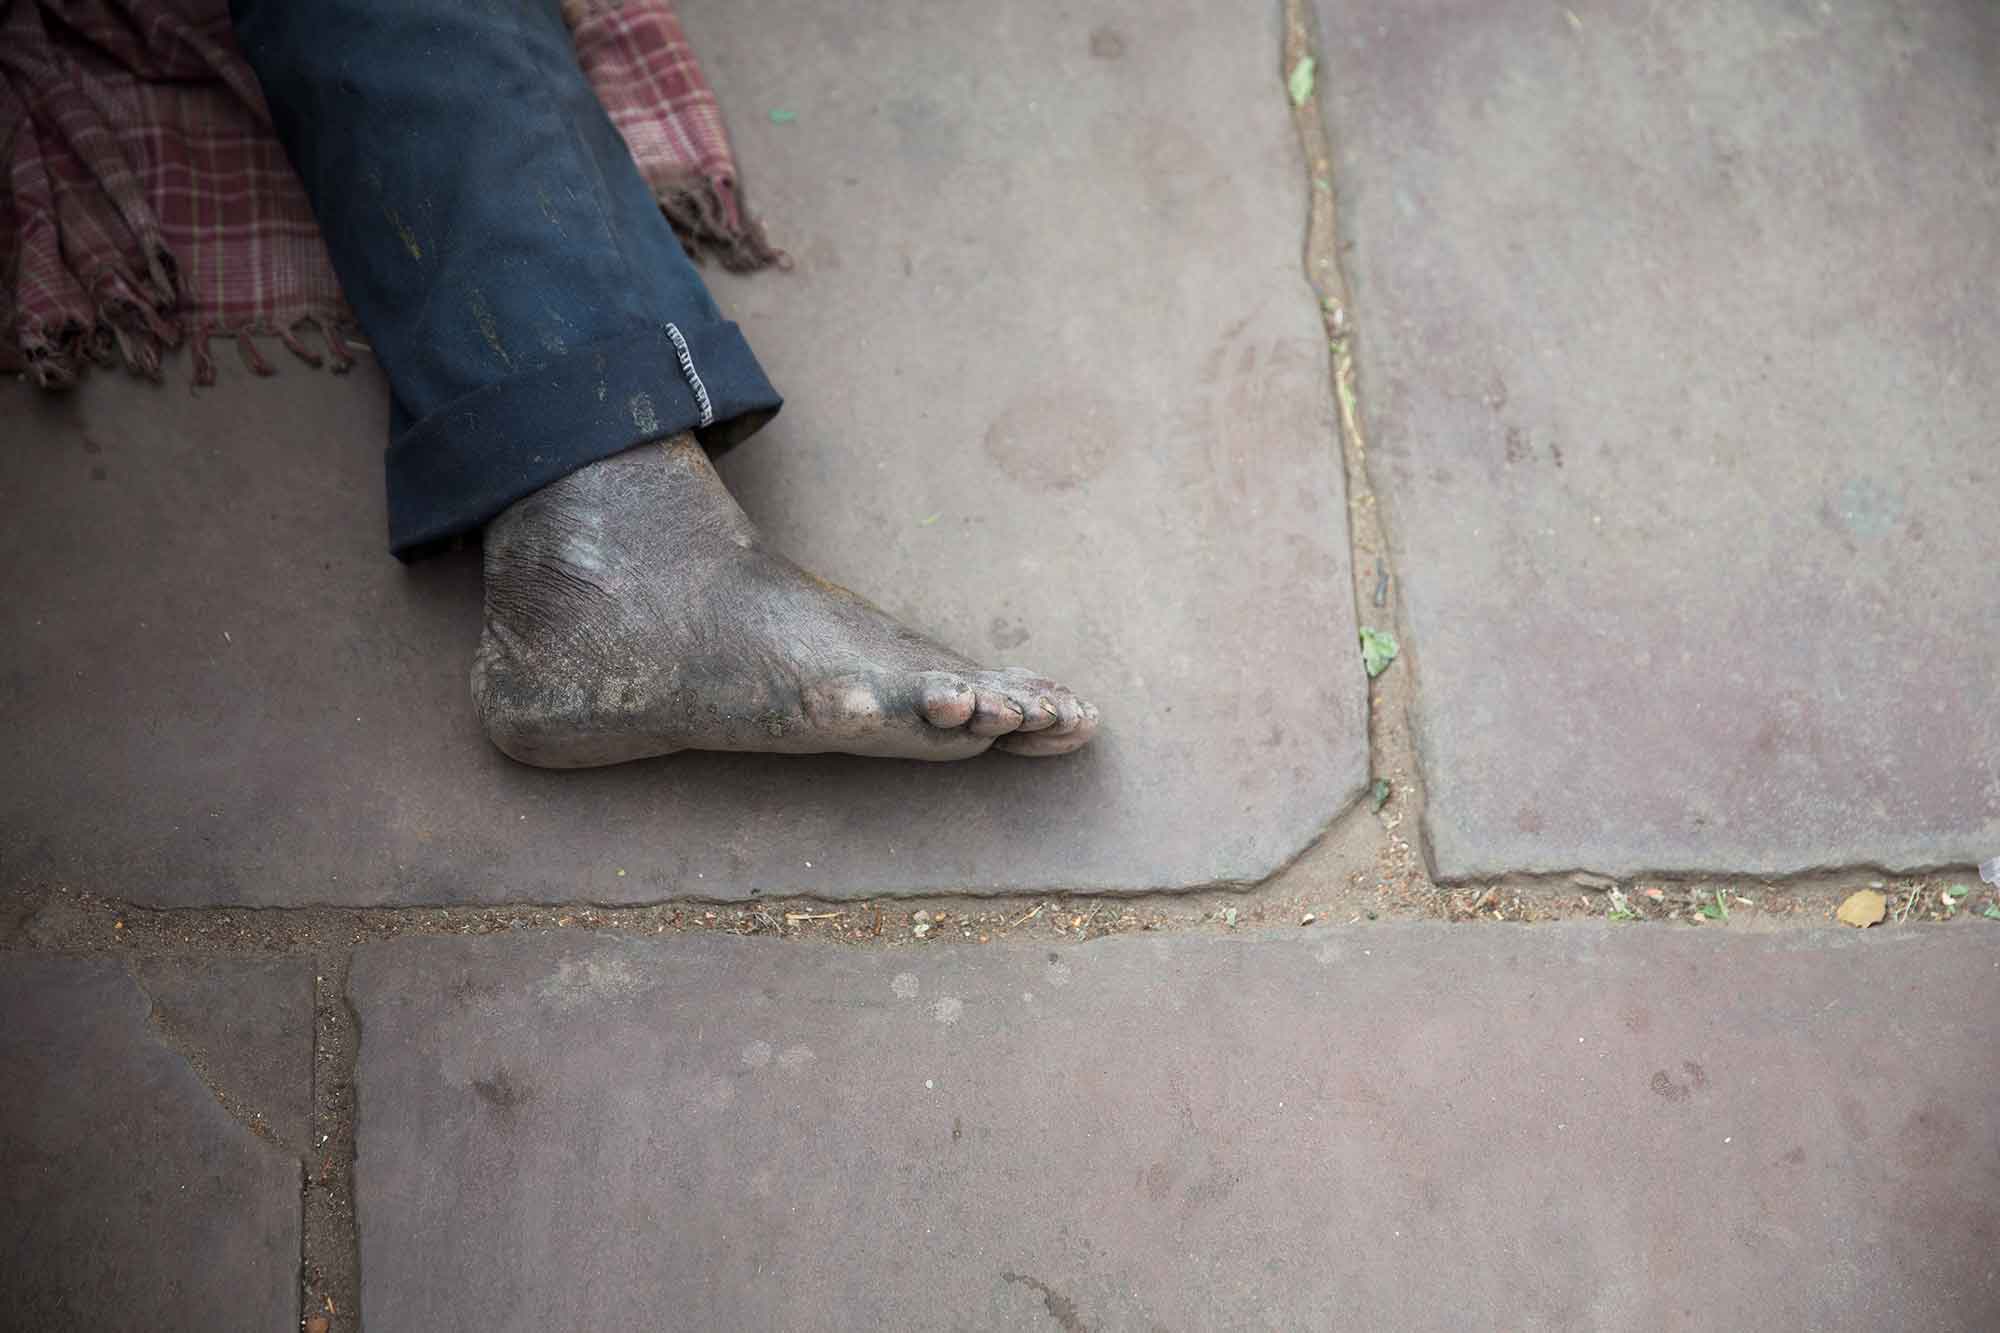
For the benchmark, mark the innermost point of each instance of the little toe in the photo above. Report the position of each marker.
(947, 700)
(994, 714)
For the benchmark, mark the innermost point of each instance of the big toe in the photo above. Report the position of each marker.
(947, 700)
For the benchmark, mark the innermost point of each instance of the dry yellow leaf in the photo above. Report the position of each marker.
(1864, 907)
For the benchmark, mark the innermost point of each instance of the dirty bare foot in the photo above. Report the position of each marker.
(633, 610)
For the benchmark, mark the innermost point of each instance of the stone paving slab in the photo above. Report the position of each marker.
(246, 1025)
(129, 1197)
(1056, 393)
(1384, 1127)
(1681, 369)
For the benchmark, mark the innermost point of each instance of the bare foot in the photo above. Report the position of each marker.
(633, 610)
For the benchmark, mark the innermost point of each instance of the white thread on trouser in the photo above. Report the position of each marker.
(693, 376)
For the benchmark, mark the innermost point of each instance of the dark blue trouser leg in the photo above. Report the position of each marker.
(514, 275)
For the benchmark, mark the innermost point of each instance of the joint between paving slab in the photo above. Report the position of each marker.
(1875, 874)
(330, 1257)
(330, 1233)
(1393, 756)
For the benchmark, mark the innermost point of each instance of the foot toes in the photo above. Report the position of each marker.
(947, 701)
(1038, 744)
(1069, 712)
(1037, 701)
(994, 714)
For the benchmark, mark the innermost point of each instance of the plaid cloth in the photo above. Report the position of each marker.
(146, 200)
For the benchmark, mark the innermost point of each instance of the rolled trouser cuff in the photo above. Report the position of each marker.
(470, 459)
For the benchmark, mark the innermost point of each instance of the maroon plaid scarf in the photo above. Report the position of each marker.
(146, 201)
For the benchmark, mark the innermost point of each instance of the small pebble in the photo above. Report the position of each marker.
(1308, 919)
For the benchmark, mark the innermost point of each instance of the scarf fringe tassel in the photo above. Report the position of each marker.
(138, 337)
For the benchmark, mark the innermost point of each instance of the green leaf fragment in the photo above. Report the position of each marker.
(1344, 386)
(779, 117)
(1380, 791)
(1300, 84)
(1992, 912)
(1378, 649)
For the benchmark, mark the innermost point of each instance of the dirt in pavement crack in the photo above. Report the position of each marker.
(1392, 756)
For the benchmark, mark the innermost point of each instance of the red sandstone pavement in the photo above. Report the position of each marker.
(1561, 1127)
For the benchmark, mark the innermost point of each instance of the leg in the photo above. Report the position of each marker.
(558, 369)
